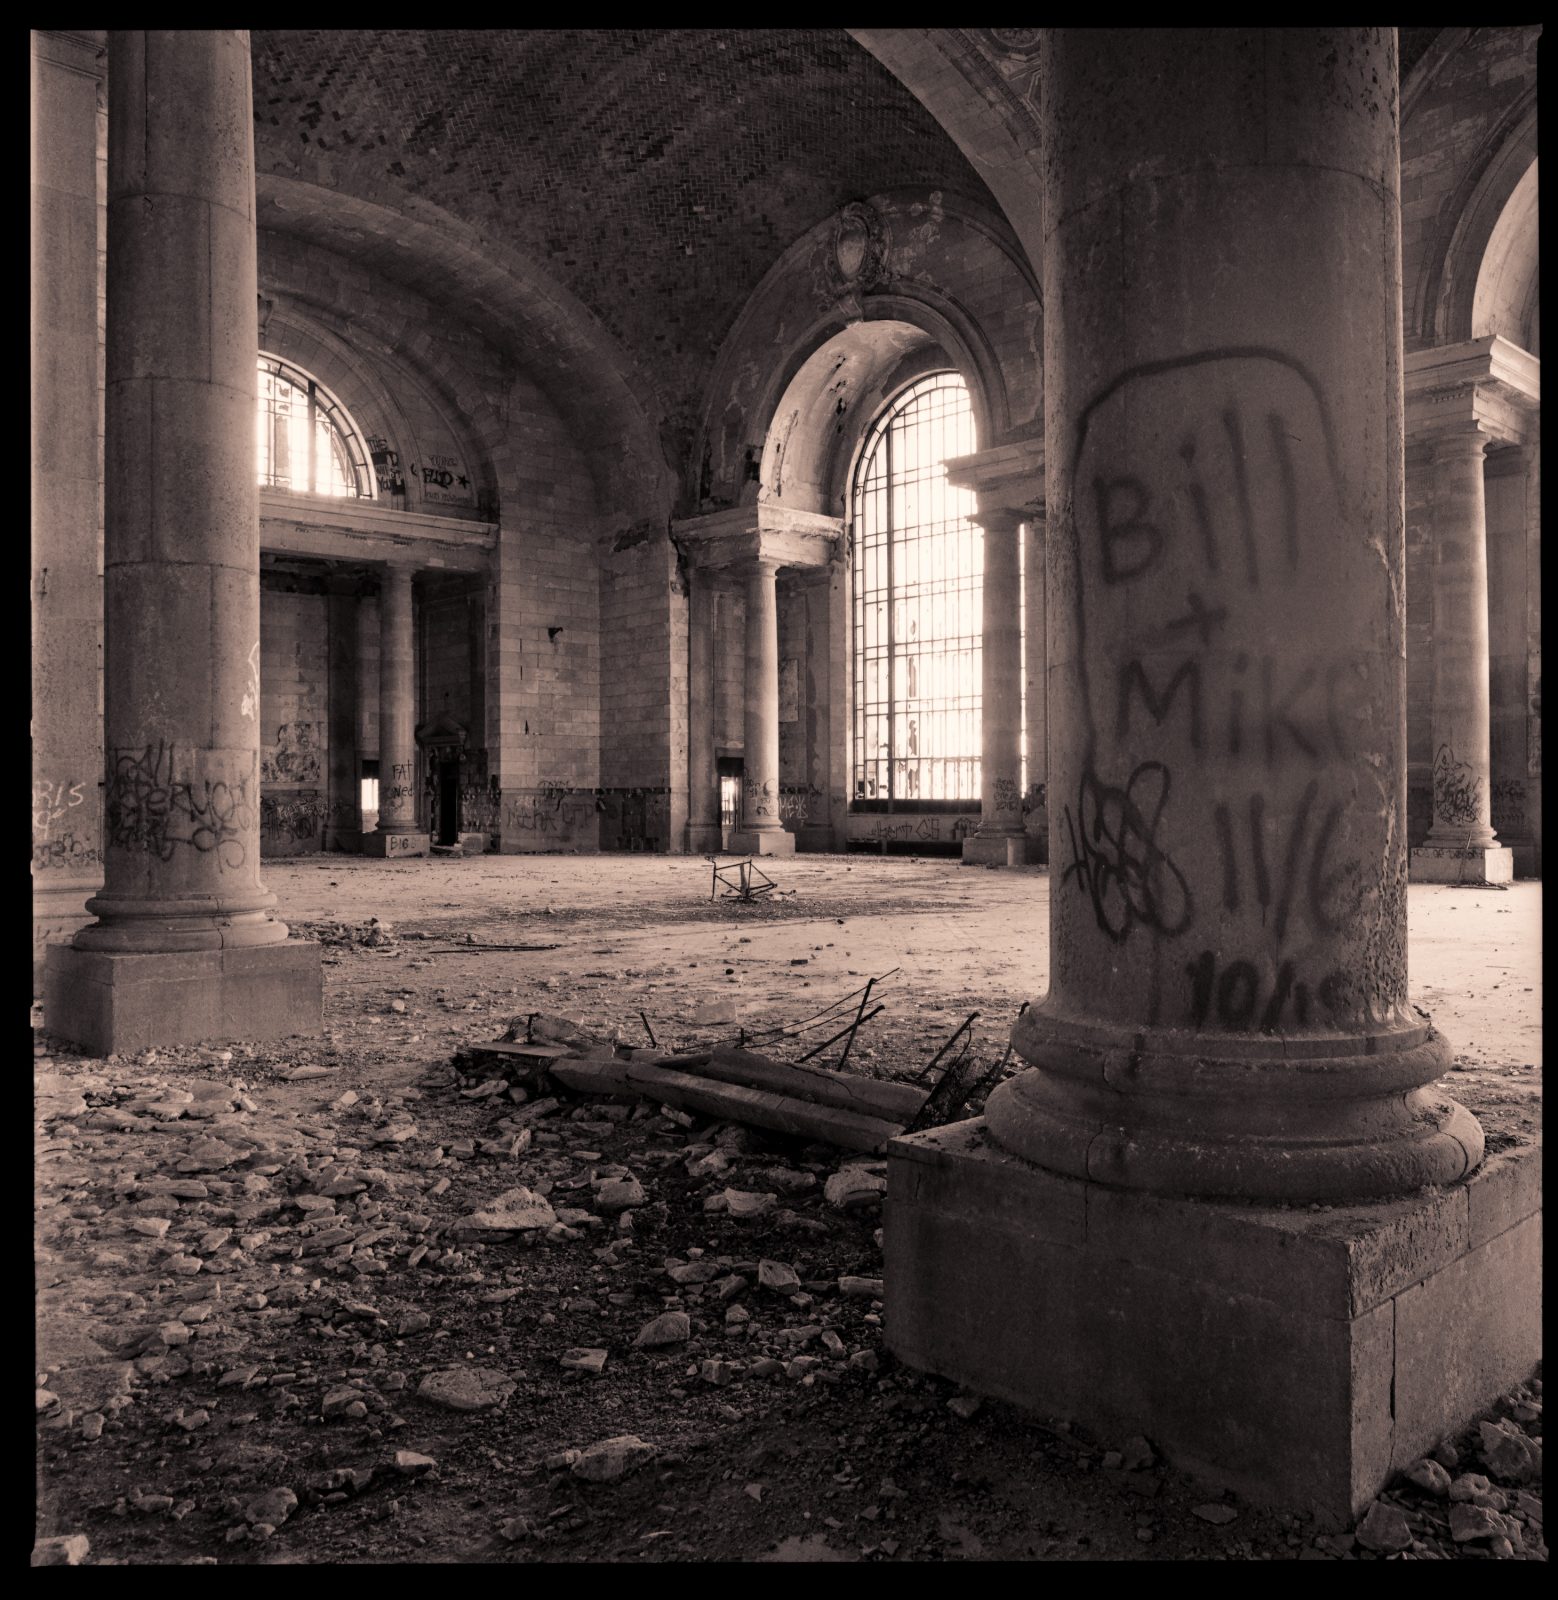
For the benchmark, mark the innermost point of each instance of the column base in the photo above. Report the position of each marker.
(473, 844)
(1438, 863)
(1299, 1358)
(396, 844)
(704, 838)
(761, 842)
(996, 849)
(108, 1004)
(58, 912)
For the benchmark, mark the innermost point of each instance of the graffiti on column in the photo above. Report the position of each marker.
(251, 694)
(1007, 796)
(1178, 542)
(148, 806)
(1457, 790)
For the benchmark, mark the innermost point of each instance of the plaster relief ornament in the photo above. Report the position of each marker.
(1015, 41)
(854, 257)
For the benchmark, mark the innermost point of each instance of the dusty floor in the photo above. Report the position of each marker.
(203, 1340)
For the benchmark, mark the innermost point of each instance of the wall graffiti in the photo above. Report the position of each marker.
(1457, 790)
(65, 853)
(1508, 799)
(250, 706)
(915, 830)
(1197, 483)
(293, 761)
(291, 819)
(52, 803)
(1006, 795)
(149, 808)
(801, 803)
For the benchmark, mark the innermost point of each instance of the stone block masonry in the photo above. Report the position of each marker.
(1298, 1357)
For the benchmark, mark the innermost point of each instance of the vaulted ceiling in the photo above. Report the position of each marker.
(656, 174)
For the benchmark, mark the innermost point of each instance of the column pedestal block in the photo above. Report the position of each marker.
(1437, 863)
(396, 844)
(704, 838)
(109, 1004)
(761, 842)
(1298, 1357)
(996, 849)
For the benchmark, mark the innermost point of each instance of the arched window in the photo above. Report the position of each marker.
(304, 439)
(918, 604)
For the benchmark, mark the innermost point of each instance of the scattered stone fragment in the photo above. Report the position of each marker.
(1473, 1487)
(1220, 1515)
(964, 1405)
(619, 1194)
(1137, 1454)
(777, 1276)
(694, 1271)
(270, 1506)
(861, 1288)
(466, 1388)
(1509, 1453)
(411, 1464)
(719, 1373)
(63, 1550)
(1383, 1529)
(584, 1359)
(612, 1459)
(671, 1327)
(1427, 1474)
(1470, 1522)
(853, 1187)
(745, 1203)
(864, 1361)
(514, 1211)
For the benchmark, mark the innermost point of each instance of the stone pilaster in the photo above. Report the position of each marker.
(761, 832)
(1035, 700)
(999, 837)
(397, 833)
(703, 824)
(181, 578)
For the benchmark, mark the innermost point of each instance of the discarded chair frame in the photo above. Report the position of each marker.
(751, 882)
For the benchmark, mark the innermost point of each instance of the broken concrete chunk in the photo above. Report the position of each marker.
(612, 1459)
(619, 1194)
(851, 1188)
(514, 1211)
(63, 1550)
(1383, 1529)
(272, 1506)
(1509, 1453)
(745, 1203)
(777, 1276)
(671, 1327)
(582, 1359)
(466, 1388)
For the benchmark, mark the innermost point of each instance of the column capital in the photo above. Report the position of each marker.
(769, 532)
(1000, 519)
(1008, 475)
(1487, 384)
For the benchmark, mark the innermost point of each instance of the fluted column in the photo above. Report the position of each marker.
(703, 824)
(1036, 690)
(761, 831)
(397, 833)
(181, 560)
(999, 837)
(1461, 845)
(1228, 1011)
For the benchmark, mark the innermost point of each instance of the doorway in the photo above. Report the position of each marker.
(449, 800)
(730, 770)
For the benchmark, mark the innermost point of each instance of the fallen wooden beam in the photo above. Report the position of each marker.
(891, 1102)
(736, 1102)
(594, 1076)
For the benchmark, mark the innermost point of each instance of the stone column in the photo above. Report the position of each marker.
(181, 577)
(397, 833)
(1227, 1018)
(1036, 690)
(1461, 846)
(761, 832)
(1228, 1010)
(703, 827)
(67, 455)
(999, 838)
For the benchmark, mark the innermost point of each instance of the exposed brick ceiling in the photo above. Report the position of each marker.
(658, 173)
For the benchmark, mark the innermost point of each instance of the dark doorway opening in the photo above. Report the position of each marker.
(449, 800)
